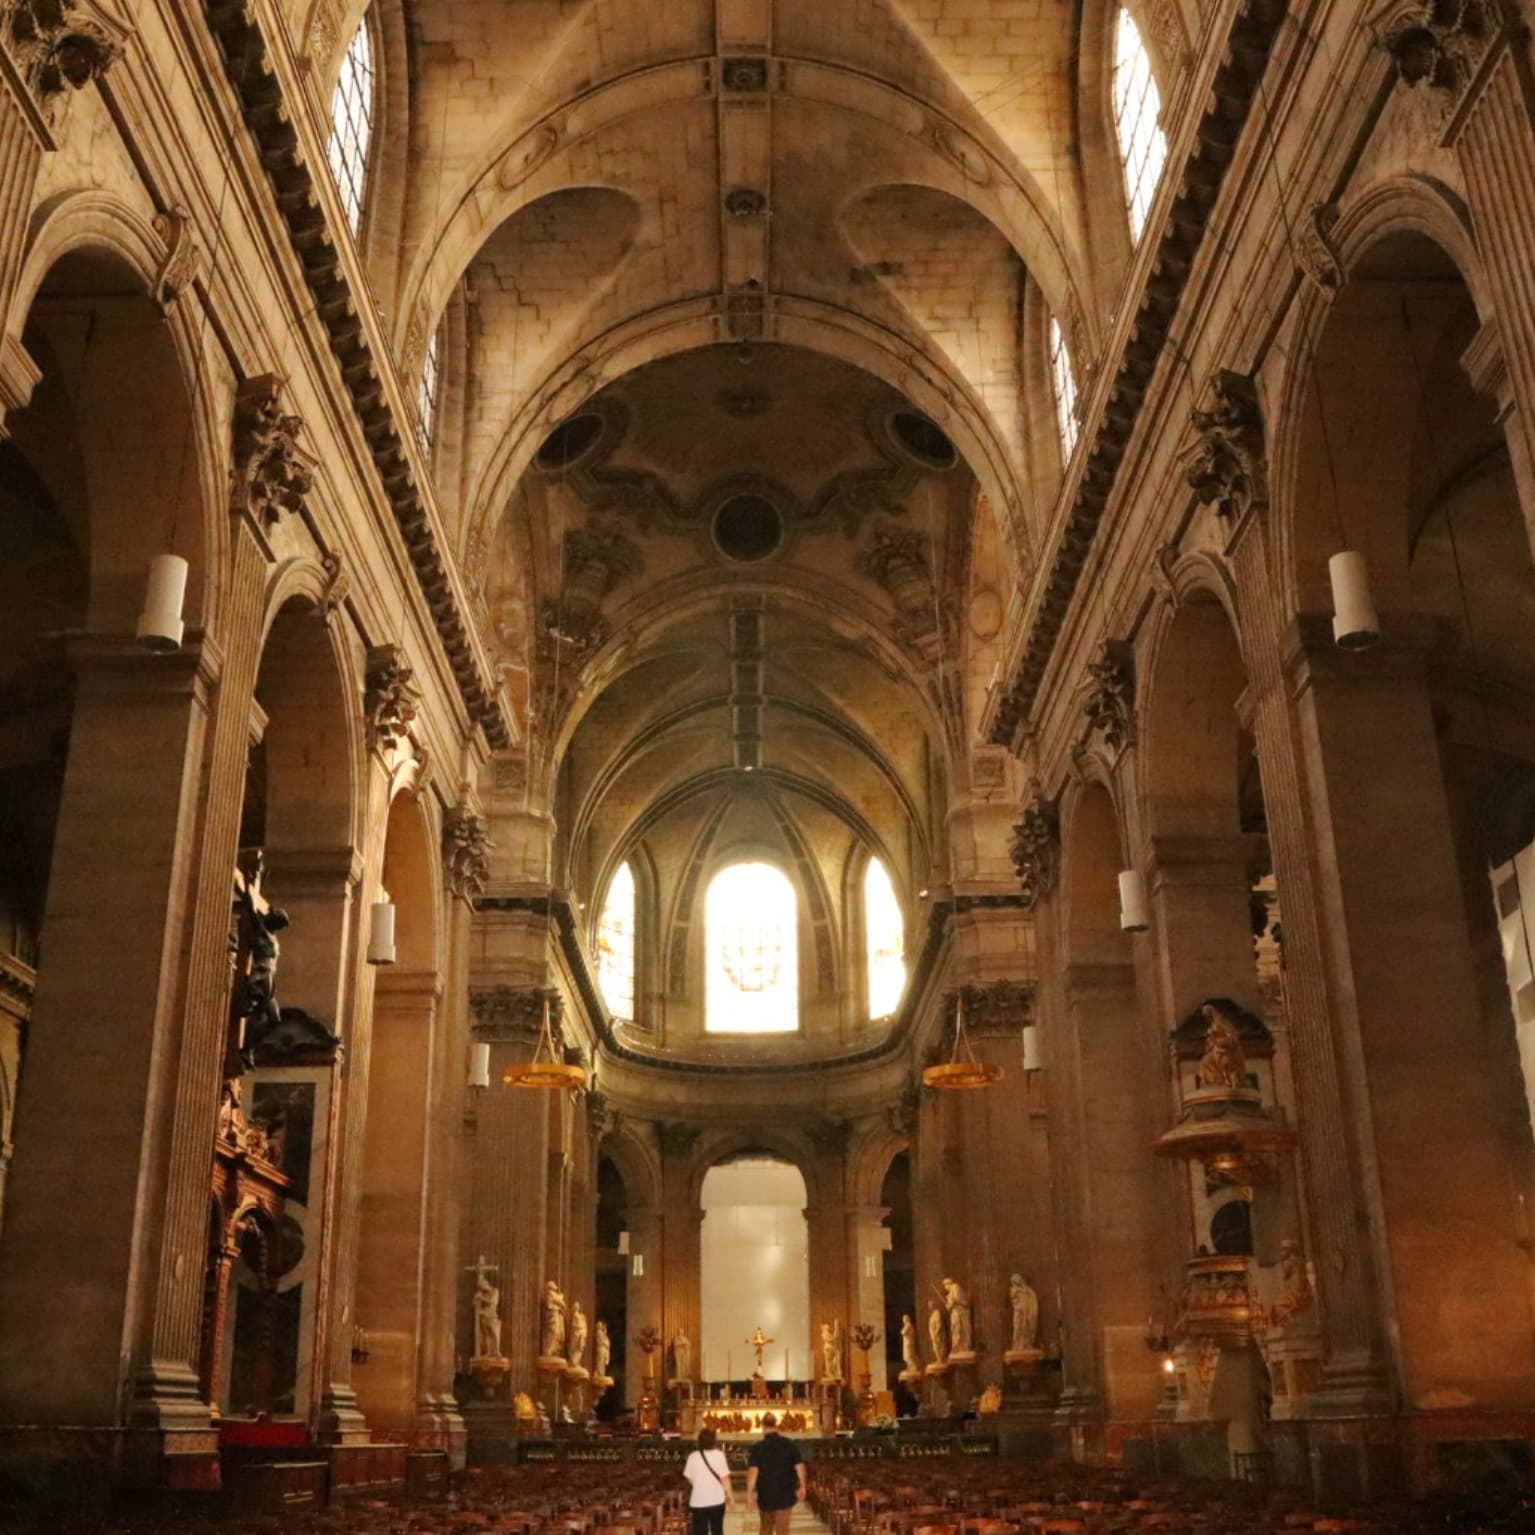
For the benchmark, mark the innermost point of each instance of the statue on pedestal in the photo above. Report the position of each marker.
(553, 1322)
(487, 1313)
(1223, 1063)
(1025, 1306)
(961, 1333)
(831, 1350)
(682, 1355)
(1295, 1294)
(578, 1331)
(603, 1352)
(911, 1356)
(936, 1336)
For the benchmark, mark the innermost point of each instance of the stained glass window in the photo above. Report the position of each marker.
(752, 957)
(1137, 106)
(886, 931)
(615, 946)
(351, 122)
(1064, 382)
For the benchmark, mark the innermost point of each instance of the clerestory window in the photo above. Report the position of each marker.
(751, 922)
(431, 385)
(1063, 382)
(351, 121)
(615, 946)
(1137, 108)
(885, 929)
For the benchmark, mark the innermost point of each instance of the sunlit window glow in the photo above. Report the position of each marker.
(752, 966)
(615, 946)
(351, 123)
(1065, 385)
(431, 383)
(886, 932)
(1137, 106)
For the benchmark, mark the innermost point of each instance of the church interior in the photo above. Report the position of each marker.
(801, 707)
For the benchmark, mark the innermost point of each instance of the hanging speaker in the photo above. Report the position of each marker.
(1134, 909)
(479, 1063)
(160, 626)
(381, 932)
(1355, 625)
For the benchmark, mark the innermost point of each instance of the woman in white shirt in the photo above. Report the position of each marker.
(708, 1474)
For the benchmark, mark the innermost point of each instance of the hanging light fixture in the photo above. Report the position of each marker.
(962, 1069)
(381, 930)
(1033, 1053)
(479, 1063)
(160, 625)
(1355, 625)
(1134, 908)
(545, 1069)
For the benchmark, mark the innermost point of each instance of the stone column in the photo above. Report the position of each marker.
(1404, 1016)
(645, 1285)
(681, 1240)
(831, 1275)
(868, 1240)
(84, 1245)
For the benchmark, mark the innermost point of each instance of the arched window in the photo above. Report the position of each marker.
(751, 924)
(886, 933)
(1064, 383)
(1137, 105)
(426, 400)
(351, 122)
(615, 946)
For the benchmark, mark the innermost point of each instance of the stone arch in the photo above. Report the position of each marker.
(727, 1143)
(634, 1155)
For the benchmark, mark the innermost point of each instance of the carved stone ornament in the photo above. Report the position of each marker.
(1036, 849)
(466, 850)
(1228, 469)
(597, 557)
(324, 33)
(1110, 704)
(504, 1014)
(390, 696)
(61, 46)
(183, 255)
(271, 473)
(1316, 254)
(601, 1116)
(1437, 44)
(997, 1007)
(902, 1114)
(675, 1138)
(897, 558)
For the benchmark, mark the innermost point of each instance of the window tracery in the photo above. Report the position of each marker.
(751, 947)
(352, 107)
(1137, 110)
(426, 399)
(1063, 381)
(615, 946)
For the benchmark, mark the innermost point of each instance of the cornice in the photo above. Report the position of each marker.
(366, 368)
(1228, 103)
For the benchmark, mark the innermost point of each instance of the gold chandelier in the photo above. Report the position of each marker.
(545, 1069)
(962, 1069)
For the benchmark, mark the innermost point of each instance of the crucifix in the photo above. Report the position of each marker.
(253, 1010)
(759, 1342)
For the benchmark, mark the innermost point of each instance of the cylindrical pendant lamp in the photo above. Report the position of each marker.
(479, 1063)
(160, 625)
(1033, 1055)
(1134, 908)
(1355, 625)
(381, 931)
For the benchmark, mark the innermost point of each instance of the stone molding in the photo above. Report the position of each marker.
(514, 1014)
(183, 259)
(991, 1007)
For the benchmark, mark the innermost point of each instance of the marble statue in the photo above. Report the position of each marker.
(487, 1314)
(961, 1333)
(554, 1321)
(1025, 1304)
(578, 1331)
(911, 1357)
(682, 1355)
(1222, 1064)
(935, 1335)
(831, 1350)
(603, 1351)
(1295, 1293)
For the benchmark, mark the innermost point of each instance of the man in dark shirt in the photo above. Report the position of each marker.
(775, 1478)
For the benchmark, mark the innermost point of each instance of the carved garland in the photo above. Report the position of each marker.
(1036, 850)
(271, 474)
(61, 46)
(390, 696)
(1228, 468)
(466, 848)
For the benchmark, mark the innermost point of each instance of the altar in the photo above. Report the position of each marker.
(733, 1415)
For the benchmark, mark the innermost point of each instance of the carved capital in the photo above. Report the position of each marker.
(271, 474)
(675, 1138)
(1109, 707)
(390, 696)
(466, 848)
(513, 1014)
(902, 1114)
(601, 1116)
(1229, 469)
(997, 1007)
(829, 1136)
(1437, 45)
(1036, 849)
(61, 46)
